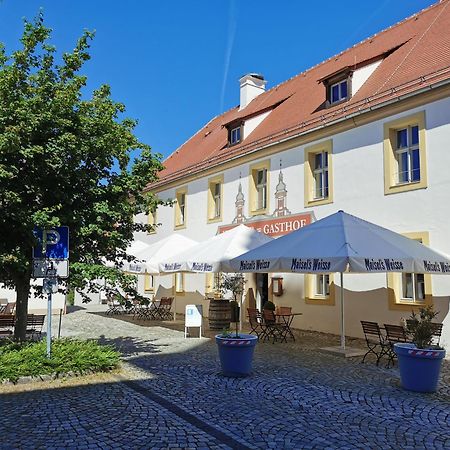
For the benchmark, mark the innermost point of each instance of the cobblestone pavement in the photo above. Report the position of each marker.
(171, 395)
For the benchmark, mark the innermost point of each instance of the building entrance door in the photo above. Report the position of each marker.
(262, 289)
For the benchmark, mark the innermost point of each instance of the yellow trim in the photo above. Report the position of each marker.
(209, 280)
(310, 136)
(178, 193)
(183, 280)
(211, 205)
(391, 186)
(310, 152)
(253, 170)
(311, 299)
(151, 220)
(394, 282)
(209, 284)
(149, 283)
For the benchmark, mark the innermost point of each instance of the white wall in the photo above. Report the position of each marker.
(358, 189)
(36, 305)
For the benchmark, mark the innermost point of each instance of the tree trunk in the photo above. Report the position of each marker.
(23, 284)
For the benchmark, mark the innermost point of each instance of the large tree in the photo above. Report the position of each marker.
(65, 159)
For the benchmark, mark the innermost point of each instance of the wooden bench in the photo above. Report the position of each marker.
(35, 323)
(7, 322)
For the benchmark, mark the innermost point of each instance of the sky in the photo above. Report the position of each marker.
(175, 64)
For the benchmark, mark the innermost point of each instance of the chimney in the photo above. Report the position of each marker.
(251, 86)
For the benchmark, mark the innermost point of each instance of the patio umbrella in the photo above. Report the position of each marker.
(343, 243)
(148, 257)
(214, 254)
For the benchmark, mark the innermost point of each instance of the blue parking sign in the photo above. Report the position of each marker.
(53, 243)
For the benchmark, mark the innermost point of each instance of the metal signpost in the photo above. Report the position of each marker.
(50, 262)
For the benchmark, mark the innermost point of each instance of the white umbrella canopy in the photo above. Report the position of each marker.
(343, 243)
(165, 248)
(148, 256)
(214, 254)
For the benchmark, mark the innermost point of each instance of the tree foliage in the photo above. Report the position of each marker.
(66, 160)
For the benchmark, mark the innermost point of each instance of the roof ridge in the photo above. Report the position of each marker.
(337, 55)
(360, 43)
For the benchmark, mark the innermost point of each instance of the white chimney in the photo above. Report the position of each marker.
(251, 85)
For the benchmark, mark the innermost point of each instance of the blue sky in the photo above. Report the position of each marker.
(176, 64)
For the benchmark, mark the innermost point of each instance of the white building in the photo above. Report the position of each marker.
(367, 131)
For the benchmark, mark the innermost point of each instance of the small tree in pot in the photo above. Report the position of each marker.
(235, 351)
(420, 361)
(233, 283)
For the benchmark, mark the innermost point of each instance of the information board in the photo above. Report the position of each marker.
(193, 318)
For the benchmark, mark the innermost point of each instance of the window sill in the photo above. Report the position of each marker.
(259, 212)
(215, 220)
(405, 187)
(322, 301)
(319, 201)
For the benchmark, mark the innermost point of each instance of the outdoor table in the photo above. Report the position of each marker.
(286, 319)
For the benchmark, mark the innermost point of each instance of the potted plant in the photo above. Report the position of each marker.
(269, 305)
(235, 349)
(420, 361)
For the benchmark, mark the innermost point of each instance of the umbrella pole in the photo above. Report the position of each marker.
(342, 313)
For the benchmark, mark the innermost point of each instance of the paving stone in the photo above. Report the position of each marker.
(296, 398)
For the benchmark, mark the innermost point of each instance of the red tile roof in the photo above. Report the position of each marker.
(420, 57)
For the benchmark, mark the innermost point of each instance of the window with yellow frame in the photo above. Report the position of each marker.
(178, 283)
(318, 174)
(320, 289)
(405, 159)
(212, 283)
(149, 283)
(259, 188)
(181, 207)
(215, 199)
(409, 290)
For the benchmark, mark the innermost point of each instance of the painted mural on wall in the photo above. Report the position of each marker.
(280, 222)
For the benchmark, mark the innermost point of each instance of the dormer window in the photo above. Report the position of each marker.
(339, 91)
(338, 86)
(234, 135)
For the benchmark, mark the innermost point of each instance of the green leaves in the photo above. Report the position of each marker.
(421, 327)
(68, 356)
(65, 159)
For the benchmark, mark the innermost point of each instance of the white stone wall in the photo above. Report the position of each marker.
(358, 189)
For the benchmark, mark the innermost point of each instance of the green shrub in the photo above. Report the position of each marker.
(68, 355)
(269, 305)
(421, 327)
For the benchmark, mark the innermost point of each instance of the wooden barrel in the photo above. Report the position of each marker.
(219, 314)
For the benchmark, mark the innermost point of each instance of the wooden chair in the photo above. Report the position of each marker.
(10, 308)
(7, 322)
(256, 322)
(394, 334)
(437, 331)
(163, 310)
(114, 303)
(375, 341)
(273, 328)
(35, 323)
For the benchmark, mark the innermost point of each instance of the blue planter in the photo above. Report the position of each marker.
(236, 355)
(419, 369)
